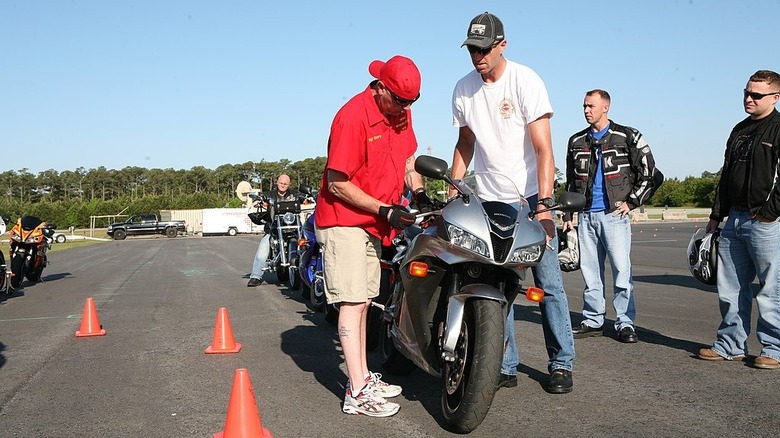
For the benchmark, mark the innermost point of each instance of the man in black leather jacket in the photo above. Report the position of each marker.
(613, 167)
(748, 198)
(282, 193)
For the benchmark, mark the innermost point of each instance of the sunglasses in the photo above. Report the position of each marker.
(483, 52)
(757, 96)
(403, 102)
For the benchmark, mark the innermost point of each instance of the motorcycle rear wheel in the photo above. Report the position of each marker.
(467, 388)
(317, 295)
(17, 269)
(34, 275)
(373, 322)
(281, 274)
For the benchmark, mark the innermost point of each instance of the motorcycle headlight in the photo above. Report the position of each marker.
(289, 218)
(464, 239)
(529, 254)
(110, 228)
(16, 238)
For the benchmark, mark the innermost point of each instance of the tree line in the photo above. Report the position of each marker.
(71, 197)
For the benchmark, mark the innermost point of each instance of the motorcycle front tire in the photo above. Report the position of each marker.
(17, 269)
(470, 382)
(293, 278)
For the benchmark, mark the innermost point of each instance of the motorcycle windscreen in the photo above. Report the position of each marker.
(30, 222)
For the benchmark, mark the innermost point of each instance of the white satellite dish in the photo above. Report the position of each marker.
(243, 190)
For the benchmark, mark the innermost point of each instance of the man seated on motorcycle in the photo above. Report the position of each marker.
(282, 193)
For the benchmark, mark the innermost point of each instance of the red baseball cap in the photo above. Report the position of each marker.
(399, 74)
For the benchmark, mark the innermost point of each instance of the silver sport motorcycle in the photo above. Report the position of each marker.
(456, 273)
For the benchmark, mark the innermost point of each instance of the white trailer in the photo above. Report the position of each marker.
(230, 221)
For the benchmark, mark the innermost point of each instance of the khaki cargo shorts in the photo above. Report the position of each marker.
(350, 264)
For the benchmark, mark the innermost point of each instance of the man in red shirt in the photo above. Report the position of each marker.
(370, 160)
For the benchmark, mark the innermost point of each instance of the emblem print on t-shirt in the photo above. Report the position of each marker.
(506, 108)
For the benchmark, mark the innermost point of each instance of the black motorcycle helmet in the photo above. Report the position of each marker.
(703, 256)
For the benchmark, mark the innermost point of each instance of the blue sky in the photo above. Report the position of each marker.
(178, 84)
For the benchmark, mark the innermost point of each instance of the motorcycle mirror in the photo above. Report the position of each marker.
(571, 201)
(306, 190)
(431, 167)
(568, 202)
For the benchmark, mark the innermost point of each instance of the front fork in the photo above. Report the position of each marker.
(450, 331)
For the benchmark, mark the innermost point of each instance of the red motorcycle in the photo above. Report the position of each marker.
(30, 239)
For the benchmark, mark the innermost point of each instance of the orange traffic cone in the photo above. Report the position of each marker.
(90, 326)
(223, 341)
(243, 419)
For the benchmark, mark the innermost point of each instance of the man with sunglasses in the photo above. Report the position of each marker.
(748, 197)
(502, 111)
(370, 160)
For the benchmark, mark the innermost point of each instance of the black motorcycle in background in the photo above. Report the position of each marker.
(285, 230)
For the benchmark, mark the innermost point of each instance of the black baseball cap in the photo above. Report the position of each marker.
(484, 31)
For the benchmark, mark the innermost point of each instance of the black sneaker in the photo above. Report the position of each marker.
(507, 381)
(561, 382)
(586, 331)
(254, 282)
(627, 335)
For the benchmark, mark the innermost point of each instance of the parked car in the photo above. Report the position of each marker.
(144, 224)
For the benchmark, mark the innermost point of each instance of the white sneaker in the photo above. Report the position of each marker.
(368, 403)
(381, 388)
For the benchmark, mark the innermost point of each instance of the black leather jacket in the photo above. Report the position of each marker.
(751, 168)
(627, 162)
(273, 198)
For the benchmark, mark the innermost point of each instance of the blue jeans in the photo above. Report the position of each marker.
(603, 235)
(261, 257)
(748, 248)
(554, 307)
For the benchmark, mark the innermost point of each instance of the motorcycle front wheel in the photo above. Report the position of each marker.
(17, 269)
(293, 279)
(470, 382)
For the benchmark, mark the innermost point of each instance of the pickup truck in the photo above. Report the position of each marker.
(141, 224)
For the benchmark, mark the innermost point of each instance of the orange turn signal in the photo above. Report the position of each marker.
(534, 294)
(418, 269)
(302, 241)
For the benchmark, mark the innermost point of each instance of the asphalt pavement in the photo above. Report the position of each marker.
(158, 300)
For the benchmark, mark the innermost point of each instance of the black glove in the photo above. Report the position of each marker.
(424, 203)
(397, 216)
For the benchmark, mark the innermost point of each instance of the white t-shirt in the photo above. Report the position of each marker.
(498, 113)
